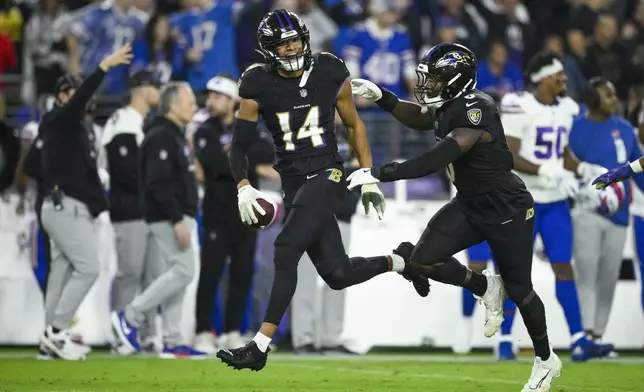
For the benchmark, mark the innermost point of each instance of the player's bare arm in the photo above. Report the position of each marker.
(243, 133)
(355, 127)
(520, 164)
(408, 113)
(412, 115)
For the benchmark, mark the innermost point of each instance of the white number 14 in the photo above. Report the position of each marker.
(309, 129)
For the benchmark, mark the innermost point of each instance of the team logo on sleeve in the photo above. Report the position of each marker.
(474, 115)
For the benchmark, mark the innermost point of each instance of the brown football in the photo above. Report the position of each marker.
(266, 219)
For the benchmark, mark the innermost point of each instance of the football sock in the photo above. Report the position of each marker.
(453, 272)
(262, 341)
(468, 303)
(397, 263)
(534, 318)
(509, 310)
(566, 291)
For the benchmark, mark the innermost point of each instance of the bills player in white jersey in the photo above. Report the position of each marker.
(537, 124)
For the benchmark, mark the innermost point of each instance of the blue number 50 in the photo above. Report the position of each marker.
(546, 144)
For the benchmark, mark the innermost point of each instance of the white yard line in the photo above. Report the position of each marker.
(556, 385)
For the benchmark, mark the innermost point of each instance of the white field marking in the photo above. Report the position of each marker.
(443, 377)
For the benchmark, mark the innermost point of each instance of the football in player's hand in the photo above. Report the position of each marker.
(266, 219)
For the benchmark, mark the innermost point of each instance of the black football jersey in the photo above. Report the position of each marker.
(483, 176)
(299, 112)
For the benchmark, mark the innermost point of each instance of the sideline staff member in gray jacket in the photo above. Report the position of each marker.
(74, 197)
(169, 190)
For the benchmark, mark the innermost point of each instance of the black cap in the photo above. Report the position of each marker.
(67, 82)
(143, 78)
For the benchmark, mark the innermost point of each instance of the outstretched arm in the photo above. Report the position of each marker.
(410, 114)
(458, 142)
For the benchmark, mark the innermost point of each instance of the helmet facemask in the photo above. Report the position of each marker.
(292, 62)
(433, 88)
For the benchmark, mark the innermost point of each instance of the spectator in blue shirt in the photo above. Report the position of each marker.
(380, 49)
(601, 217)
(206, 38)
(96, 31)
(155, 50)
(496, 74)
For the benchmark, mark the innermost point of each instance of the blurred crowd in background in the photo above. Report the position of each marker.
(380, 40)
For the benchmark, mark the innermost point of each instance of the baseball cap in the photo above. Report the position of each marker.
(67, 82)
(142, 78)
(223, 85)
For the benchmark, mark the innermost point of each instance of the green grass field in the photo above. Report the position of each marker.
(19, 371)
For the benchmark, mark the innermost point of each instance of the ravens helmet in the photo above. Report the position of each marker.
(445, 72)
(275, 29)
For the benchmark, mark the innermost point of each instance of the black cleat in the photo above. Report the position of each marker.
(247, 357)
(307, 349)
(421, 284)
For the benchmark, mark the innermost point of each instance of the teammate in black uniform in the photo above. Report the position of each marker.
(297, 94)
(492, 203)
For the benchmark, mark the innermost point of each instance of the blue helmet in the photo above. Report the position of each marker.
(445, 72)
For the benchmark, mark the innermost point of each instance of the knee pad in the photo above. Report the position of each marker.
(339, 278)
(518, 293)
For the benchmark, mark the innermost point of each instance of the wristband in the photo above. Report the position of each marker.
(636, 166)
(388, 101)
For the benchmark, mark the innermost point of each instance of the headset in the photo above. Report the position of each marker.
(592, 96)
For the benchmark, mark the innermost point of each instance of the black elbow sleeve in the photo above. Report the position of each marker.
(242, 139)
(442, 154)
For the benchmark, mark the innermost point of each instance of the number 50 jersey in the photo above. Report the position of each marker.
(299, 112)
(543, 131)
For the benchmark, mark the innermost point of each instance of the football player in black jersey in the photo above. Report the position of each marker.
(297, 94)
(492, 203)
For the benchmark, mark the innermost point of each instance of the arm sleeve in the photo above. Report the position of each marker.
(243, 137)
(261, 151)
(74, 109)
(158, 155)
(442, 154)
(513, 116)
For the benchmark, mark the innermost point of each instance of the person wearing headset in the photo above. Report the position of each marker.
(601, 216)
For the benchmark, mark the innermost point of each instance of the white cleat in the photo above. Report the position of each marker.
(231, 340)
(463, 339)
(205, 342)
(543, 373)
(61, 345)
(493, 300)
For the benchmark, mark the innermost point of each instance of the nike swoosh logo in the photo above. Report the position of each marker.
(467, 105)
(126, 329)
(541, 382)
(311, 176)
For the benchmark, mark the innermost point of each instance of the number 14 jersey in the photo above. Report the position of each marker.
(543, 131)
(299, 112)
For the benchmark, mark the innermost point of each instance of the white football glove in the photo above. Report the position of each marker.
(371, 194)
(247, 202)
(569, 184)
(551, 173)
(589, 171)
(366, 89)
(591, 199)
(361, 177)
